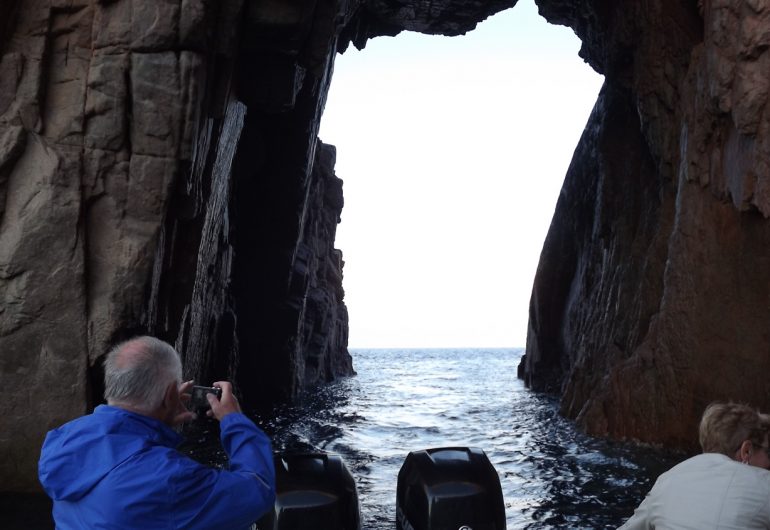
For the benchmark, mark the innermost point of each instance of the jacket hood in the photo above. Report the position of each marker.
(79, 454)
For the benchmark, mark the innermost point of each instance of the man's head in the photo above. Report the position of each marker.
(139, 372)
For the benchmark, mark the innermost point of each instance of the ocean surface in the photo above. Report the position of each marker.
(407, 400)
(402, 400)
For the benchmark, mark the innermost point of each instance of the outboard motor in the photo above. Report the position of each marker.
(449, 488)
(313, 491)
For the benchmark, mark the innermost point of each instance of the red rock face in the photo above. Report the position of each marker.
(660, 303)
(160, 173)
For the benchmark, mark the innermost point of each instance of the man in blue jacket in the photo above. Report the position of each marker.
(118, 467)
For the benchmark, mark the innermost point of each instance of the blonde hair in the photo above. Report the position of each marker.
(725, 426)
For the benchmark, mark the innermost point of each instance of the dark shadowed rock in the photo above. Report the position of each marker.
(652, 287)
(160, 173)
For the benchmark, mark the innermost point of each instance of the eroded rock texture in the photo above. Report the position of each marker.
(652, 297)
(160, 173)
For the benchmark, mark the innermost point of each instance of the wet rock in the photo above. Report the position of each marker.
(651, 292)
(160, 172)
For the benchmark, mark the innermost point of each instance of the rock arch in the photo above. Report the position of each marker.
(160, 172)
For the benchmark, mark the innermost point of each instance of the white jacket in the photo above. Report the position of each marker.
(708, 491)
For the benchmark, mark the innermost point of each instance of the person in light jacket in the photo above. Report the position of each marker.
(727, 487)
(118, 468)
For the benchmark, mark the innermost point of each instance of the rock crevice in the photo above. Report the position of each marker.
(160, 172)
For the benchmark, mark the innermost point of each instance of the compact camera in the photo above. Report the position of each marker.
(198, 398)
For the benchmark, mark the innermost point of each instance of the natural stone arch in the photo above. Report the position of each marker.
(127, 208)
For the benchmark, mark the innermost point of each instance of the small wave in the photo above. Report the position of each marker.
(406, 400)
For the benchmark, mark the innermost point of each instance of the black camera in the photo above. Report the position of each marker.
(198, 399)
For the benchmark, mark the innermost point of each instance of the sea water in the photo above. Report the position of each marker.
(402, 400)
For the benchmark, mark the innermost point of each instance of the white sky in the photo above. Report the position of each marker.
(452, 152)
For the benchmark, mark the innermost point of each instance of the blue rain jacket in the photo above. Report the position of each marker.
(116, 469)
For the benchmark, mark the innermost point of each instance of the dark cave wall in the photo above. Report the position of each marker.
(599, 279)
(652, 301)
(605, 227)
(287, 274)
(163, 182)
(160, 172)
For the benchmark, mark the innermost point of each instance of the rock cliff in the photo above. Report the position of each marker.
(160, 172)
(652, 295)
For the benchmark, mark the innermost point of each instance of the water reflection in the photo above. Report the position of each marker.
(404, 400)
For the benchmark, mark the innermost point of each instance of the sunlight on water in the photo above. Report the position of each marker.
(406, 400)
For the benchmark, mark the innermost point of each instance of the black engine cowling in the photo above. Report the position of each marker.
(449, 488)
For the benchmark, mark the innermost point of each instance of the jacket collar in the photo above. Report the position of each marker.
(153, 428)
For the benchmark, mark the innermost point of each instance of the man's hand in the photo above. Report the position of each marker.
(227, 404)
(180, 414)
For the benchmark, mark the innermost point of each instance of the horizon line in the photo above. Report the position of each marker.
(432, 347)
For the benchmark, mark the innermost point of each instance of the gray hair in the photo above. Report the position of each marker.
(138, 371)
